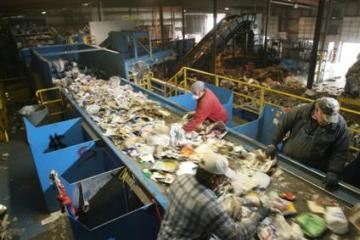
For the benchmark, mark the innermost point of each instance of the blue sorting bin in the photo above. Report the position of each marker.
(75, 140)
(97, 159)
(225, 97)
(115, 212)
(262, 129)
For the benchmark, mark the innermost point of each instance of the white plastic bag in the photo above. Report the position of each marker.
(336, 221)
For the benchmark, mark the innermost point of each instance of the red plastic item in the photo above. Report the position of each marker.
(288, 196)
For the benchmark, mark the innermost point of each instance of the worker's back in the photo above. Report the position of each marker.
(187, 216)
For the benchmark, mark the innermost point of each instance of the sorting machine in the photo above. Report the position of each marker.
(124, 202)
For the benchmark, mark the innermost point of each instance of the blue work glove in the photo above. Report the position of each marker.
(270, 151)
(331, 181)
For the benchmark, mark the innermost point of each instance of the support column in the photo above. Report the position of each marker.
(214, 37)
(162, 24)
(313, 57)
(323, 39)
(183, 29)
(100, 10)
(268, 9)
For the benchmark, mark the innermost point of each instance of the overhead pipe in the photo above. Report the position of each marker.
(294, 4)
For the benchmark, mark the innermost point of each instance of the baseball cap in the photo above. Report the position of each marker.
(198, 85)
(216, 164)
(330, 108)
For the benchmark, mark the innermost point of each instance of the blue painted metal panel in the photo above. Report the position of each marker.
(185, 100)
(95, 160)
(77, 142)
(244, 114)
(114, 212)
(42, 67)
(263, 128)
(225, 97)
(249, 129)
(59, 161)
(137, 225)
(25, 53)
(109, 62)
(71, 129)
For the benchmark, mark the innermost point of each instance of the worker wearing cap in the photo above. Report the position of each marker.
(316, 135)
(352, 86)
(194, 211)
(208, 107)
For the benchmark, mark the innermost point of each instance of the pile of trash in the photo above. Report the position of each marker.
(152, 136)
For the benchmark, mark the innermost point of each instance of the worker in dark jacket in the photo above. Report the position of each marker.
(352, 86)
(317, 136)
(208, 107)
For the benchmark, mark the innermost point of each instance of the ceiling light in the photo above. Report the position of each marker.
(85, 4)
(226, 9)
(184, 10)
(43, 12)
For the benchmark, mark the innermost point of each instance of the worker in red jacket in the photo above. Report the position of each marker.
(208, 107)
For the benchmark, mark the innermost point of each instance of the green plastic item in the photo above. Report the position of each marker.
(147, 173)
(312, 225)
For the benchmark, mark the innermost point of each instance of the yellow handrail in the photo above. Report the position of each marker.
(262, 91)
(41, 100)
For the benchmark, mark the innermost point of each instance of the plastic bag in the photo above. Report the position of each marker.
(177, 135)
(336, 220)
(311, 224)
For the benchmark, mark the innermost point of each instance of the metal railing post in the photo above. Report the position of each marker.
(262, 99)
(216, 80)
(185, 79)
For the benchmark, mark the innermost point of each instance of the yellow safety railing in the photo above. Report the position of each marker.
(248, 96)
(52, 98)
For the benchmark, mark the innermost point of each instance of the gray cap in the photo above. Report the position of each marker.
(330, 107)
(197, 86)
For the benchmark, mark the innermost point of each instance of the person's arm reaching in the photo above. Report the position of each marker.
(286, 125)
(202, 112)
(340, 150)
(337, 159)
(223, 226)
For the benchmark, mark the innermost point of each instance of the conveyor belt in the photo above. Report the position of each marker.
(225, 30)
(300, 177)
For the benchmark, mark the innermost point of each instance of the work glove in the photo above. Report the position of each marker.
(232, 205)
(270, 151)
(331, 181)
(263, 212)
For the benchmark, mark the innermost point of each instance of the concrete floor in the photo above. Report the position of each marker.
(21, 193)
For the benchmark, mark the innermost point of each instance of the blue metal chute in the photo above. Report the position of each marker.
(114, 211)
(262, 128)
(73, 138)
(26, 57)
(111, 63)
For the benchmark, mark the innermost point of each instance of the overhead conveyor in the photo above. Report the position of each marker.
(200, 55)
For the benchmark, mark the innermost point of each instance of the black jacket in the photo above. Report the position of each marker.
(321, 147)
